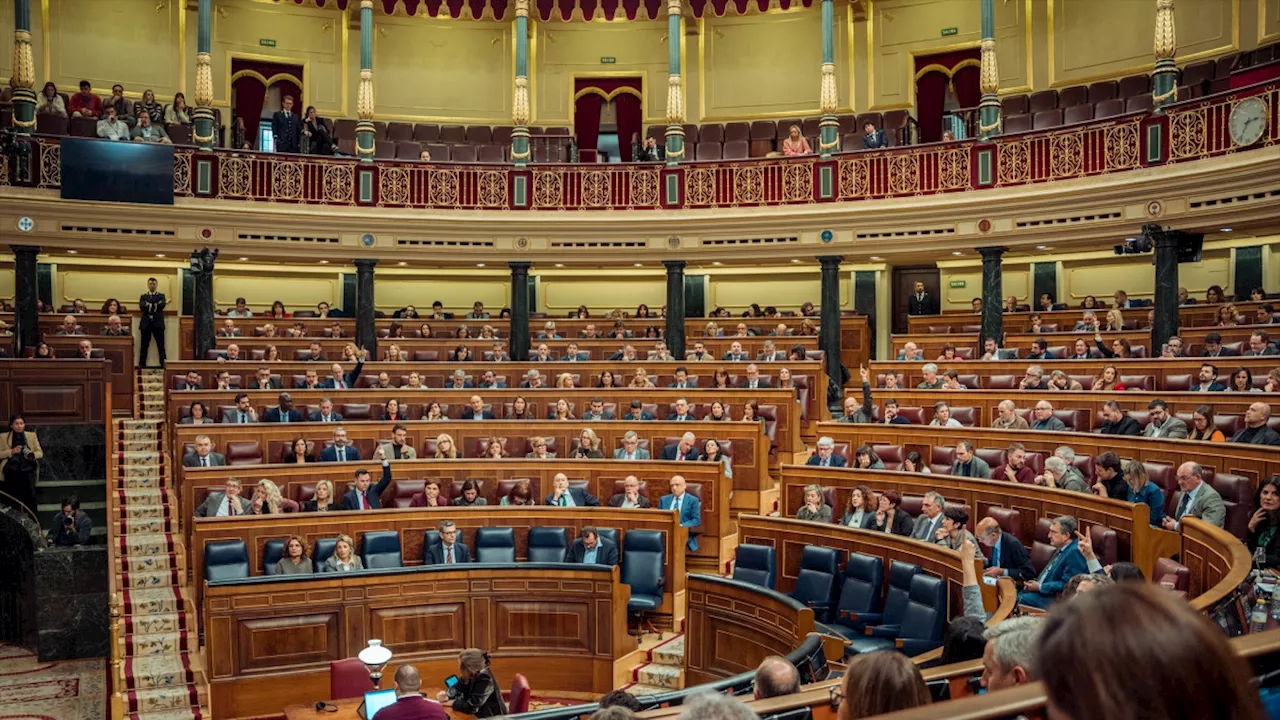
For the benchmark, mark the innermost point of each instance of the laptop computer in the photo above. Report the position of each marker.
(375, 700)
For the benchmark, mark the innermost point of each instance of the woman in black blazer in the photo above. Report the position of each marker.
(299, 454)
(477, 692)
(323, 501)
(889, 517)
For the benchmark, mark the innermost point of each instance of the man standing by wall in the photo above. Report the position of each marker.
(152, 306)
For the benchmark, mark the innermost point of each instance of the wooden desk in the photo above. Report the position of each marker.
(1161, 370)
(118, 352)
(61, 392)
(269, 643)
(733, 626)
(1199, 315)
(1062, 342)
(348, 707)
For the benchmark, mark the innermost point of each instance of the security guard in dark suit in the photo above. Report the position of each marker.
(151, 304)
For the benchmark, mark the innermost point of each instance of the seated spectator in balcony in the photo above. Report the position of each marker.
(688, 507)
(826, 455)
(637, 412)
(242, 413)
(864, 458)
(448, 551)
(477, 312)
(1256, 431)
(123, 108)
(1109, 480)
(647, 151)
(931, 380)
(298, 454)
(736, 354)
(85, 103)
(1199, 499)
(1008, 418)
(1066, 563)
(1057, 474)
(179, 114)
(1260, 344)
(1015, 467)
(1040, 350)
(149, 132)
(115, 327)
(521, 494)
(1108, 380)
(968, 464)
(873, 139)
(50, 102)
(1117, 421)
(795, 143)
(942, 416)
(111, 127)
(225, 503)
(564, 496)
(341, 450)
(640, 379)
(991, 350)
(686, 449)
(910, 352)
(1034, 379)
(470, 496)
(228, 329)
(149, 107)
(317, 140)
(814, 509)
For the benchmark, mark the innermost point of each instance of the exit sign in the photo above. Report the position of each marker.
(957, 283)
(946, 32)
(609, 60)
(266, 42)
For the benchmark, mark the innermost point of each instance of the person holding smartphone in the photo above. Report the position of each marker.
(476, 691)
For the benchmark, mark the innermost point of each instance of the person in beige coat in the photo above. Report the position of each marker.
(19, 453)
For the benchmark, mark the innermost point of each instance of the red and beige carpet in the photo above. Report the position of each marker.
(65, 690)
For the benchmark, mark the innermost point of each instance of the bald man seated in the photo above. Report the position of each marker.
(776, 676)
(410, 704)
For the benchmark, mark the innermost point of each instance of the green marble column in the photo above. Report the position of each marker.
(675, 95)
(364, 98)
(989, 107)
(24, 96)
(202, 116)
(1164, 82)
(520, 154)
(829, 128)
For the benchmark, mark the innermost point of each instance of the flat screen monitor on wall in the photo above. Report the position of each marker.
(108, 171)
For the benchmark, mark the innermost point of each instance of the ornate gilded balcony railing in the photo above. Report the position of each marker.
(1188, 131)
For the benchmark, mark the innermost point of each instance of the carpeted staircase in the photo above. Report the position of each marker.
(663, 669)
(159, 677)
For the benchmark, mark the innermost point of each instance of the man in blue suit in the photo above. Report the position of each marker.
(686, 449)
(591, 549)
(826, 455)
(564, 496)
(1008, 556)
(341, 450)
(448, 551)
(687, 507)
(365, 495)
(285, 412)
(339, 380)
(1065, 564)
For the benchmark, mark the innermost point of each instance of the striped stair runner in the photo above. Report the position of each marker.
(159, 678)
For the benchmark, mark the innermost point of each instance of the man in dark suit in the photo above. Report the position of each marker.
(630, 496)
(341, 450)
(681, 412)
(286, 126)
(263, 381)
(339, 380)
(1118, 421)
(490, 380)
(1213, 347)
(242, 413)
(921, 302)
(873, 139)
(564, 496)
(682, 380)
(284, 412)
(686, 449)
(637, 412)
(591, 549)
(204, 456)
(325, 413)
(365, 495)
(476, 411)
(458, 381)
(448, 551)
(1008, 556)
(192, 381)
(826, 455)
(753, 381)
(227, 503)
(735, 353)
(1259, 345)
(151, 305)
(1065, 564)
(597, 411)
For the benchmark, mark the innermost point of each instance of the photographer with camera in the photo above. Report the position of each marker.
(19, 451)
(70, 527)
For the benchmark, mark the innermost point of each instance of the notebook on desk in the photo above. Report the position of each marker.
(375, 700)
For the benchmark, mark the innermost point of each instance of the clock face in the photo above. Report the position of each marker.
(1248, 121)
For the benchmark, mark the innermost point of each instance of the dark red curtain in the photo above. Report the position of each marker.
(967, 84)
(586, 120)
(934, 76)
(630, 120)
(251, 94)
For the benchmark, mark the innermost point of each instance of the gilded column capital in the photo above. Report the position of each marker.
(364, 99)
(674, 7)
(1166, 40)
(23, 63)
(675, 100)
(830, 99)
(990, 78)
(522, 8)
(366, 4)
(520, 103)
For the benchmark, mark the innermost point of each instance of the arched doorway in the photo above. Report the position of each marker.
(258, 89)
(606, 113)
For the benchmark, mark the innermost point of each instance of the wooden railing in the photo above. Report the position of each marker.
(1197, 315)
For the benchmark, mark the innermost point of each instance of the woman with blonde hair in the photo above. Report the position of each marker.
(1114, 321)
(640, 379)
(295, 560)
(393, 354)
(1227, 316)
(588, 445)
(795, 143)
(561, 410)
(711, 330)
(267, 499)
(815, 507)
(494, 450)
(344, 558)
(445, 449)
(349, 353)
(565, 381)
(808, 328)
(324, 501)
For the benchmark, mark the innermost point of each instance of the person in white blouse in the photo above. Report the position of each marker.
(942, 416)
(344, 557)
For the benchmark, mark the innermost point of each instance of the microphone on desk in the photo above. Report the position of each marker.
(323, 706)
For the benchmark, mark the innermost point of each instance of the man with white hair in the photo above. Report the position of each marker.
(1008, 418)
(910, 351)
(1042, 418)
(1056, 475)
(931, 380)
(1009, 659)
(1034, 379)
(686, 449)
(715, 706)
(1066, 563)
(826, 456)
(1199, 499)
(930, 519)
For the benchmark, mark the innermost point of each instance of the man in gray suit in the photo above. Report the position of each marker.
(930, 520)
(1198, 498)
(968, 464)
(204, 455)
(243, 412)
(1164, 425)
(225, 503)
(631, 449)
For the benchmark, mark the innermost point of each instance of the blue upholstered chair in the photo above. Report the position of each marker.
(225, 560)
(272, 551)
(859, 603)
(381, 550)
(816, 583)
(757, 565)
(644, 560)
(923, 618)
(323, 551)
(495, 545)
(547, 544)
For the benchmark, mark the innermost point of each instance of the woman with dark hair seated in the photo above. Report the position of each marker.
(298, 453)
(295, 560)
(867, 459)
(1264, 525)
(880, 682)
(199, 415)
(889, 517)
(521, 494)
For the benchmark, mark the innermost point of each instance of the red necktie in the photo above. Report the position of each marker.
(364, 501)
